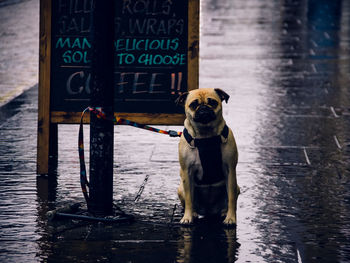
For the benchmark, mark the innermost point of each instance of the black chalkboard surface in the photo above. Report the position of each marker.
(156, 58)
(151, 55)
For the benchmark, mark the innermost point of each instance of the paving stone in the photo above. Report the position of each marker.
(287, 75)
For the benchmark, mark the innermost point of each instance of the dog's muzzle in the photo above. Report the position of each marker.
(204, 114)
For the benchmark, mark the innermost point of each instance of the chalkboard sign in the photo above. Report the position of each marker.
(156, 59)
(151, 43)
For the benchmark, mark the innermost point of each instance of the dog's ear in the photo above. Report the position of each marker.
(181, 99)
(222, 95)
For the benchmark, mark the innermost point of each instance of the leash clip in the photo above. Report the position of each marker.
(173, 133)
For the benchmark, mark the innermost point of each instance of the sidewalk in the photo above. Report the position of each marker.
(286, 68)
(19, 47)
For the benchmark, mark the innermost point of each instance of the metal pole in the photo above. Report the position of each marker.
(101, 131)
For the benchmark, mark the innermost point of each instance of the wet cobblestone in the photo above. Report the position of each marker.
(286, 68)
(19, 47)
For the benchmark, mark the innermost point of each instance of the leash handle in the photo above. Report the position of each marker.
(84, 183)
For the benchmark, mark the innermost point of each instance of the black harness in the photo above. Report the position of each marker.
(209, 150)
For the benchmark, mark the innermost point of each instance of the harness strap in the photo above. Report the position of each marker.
(225, 132)
(209, 150)
(189, 138)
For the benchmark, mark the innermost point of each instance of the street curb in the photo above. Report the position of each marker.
(12, 106)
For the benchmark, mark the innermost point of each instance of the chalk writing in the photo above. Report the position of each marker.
(126, 82)
(73, 7)
(66, 42)
(150, 59)
(127, 44)
(150, 52)
(70, 56)
(83, 45)
(147, 7)
(75, 50)
(153, 26)
(74, 16)
(78, 82)
(144, 82)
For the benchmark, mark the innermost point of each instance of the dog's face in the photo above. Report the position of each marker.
(203, 106)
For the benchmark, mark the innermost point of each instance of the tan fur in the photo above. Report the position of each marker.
(190, 164)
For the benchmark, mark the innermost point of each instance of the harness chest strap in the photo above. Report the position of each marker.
(209, 150)
(189, 138)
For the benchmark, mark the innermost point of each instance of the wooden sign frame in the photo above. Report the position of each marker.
(48, 119)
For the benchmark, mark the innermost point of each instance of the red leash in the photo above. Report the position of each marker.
(117, 121)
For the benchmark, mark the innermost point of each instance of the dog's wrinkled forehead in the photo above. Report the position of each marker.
(202, 96)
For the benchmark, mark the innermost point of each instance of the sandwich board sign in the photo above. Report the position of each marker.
(155, 54)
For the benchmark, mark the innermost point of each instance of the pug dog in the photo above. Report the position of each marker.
(208, 157)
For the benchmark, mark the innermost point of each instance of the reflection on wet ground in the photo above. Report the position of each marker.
(286, 66)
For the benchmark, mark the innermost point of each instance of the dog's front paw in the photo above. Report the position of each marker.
(230, 221)
(186, 220)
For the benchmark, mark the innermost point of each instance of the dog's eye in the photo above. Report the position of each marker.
(194, 104)
(212, 103)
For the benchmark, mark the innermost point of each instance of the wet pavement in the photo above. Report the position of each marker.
(286, 66)
(19, 47)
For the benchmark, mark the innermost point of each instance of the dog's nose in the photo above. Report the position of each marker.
(203, 107)
(204, 114)
(204, 110)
